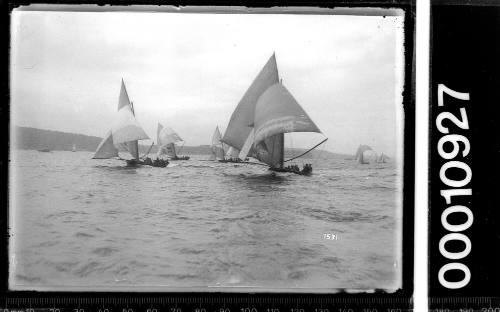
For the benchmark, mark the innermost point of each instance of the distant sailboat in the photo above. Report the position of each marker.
(125, 132)
(74, 148)
(382, 158)
(265, 113)
(167, 138)
(360, 154)
(216, 147)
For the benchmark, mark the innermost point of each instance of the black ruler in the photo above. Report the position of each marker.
(464, 304)
(212, 303)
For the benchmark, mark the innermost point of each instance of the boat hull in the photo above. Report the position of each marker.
(138, 163)
(304, 171)
(230, 161)
(180, 158)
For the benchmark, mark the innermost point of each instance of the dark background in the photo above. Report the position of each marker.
(465, 56)
(114, 302)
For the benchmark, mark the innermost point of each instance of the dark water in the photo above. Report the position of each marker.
(81, 222)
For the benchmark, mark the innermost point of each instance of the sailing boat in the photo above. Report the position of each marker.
(382, 158)
(360, 154)
(232, 155)
(125, 132)
(74, 148)
(216, 147)
(167, 138)
(265, 113)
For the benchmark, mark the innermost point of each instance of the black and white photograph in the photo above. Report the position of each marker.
(228, 150)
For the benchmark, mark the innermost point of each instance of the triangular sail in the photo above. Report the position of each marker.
(271, 150)
(247, 146)
(126, 128)
(125, 131)
(106, 148)
(130, 130)
(277, 112)
(216, 146)
(263, 115)
(242, 119)
(216, 137)
(123, 100)
(169, 150)
(167, 138)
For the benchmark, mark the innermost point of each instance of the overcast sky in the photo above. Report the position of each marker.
(188, 71)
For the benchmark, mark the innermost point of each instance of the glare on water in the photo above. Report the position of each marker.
(80, 222)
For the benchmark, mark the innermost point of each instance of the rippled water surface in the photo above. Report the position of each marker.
(80, 222)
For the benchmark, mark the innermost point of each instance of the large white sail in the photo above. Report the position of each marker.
(278, 112)
(125, 131)
(265, 113)
(106, 148)
(126, 128)
(242, 119)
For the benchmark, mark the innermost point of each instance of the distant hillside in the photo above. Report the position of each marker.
(36, 139)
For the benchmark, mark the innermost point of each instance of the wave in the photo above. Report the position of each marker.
(337, 216)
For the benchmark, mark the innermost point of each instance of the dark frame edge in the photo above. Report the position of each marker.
(406, 292)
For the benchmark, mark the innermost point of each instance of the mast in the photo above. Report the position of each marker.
(135, 144)
(282, 152)
(172, 146)
(124, 101)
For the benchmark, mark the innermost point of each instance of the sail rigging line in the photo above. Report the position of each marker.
(149, 150)
(307, 150)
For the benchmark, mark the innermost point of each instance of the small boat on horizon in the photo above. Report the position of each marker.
(359, 157)
(382, 158)
(265, 113)
(44, 150)
(74, 148)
